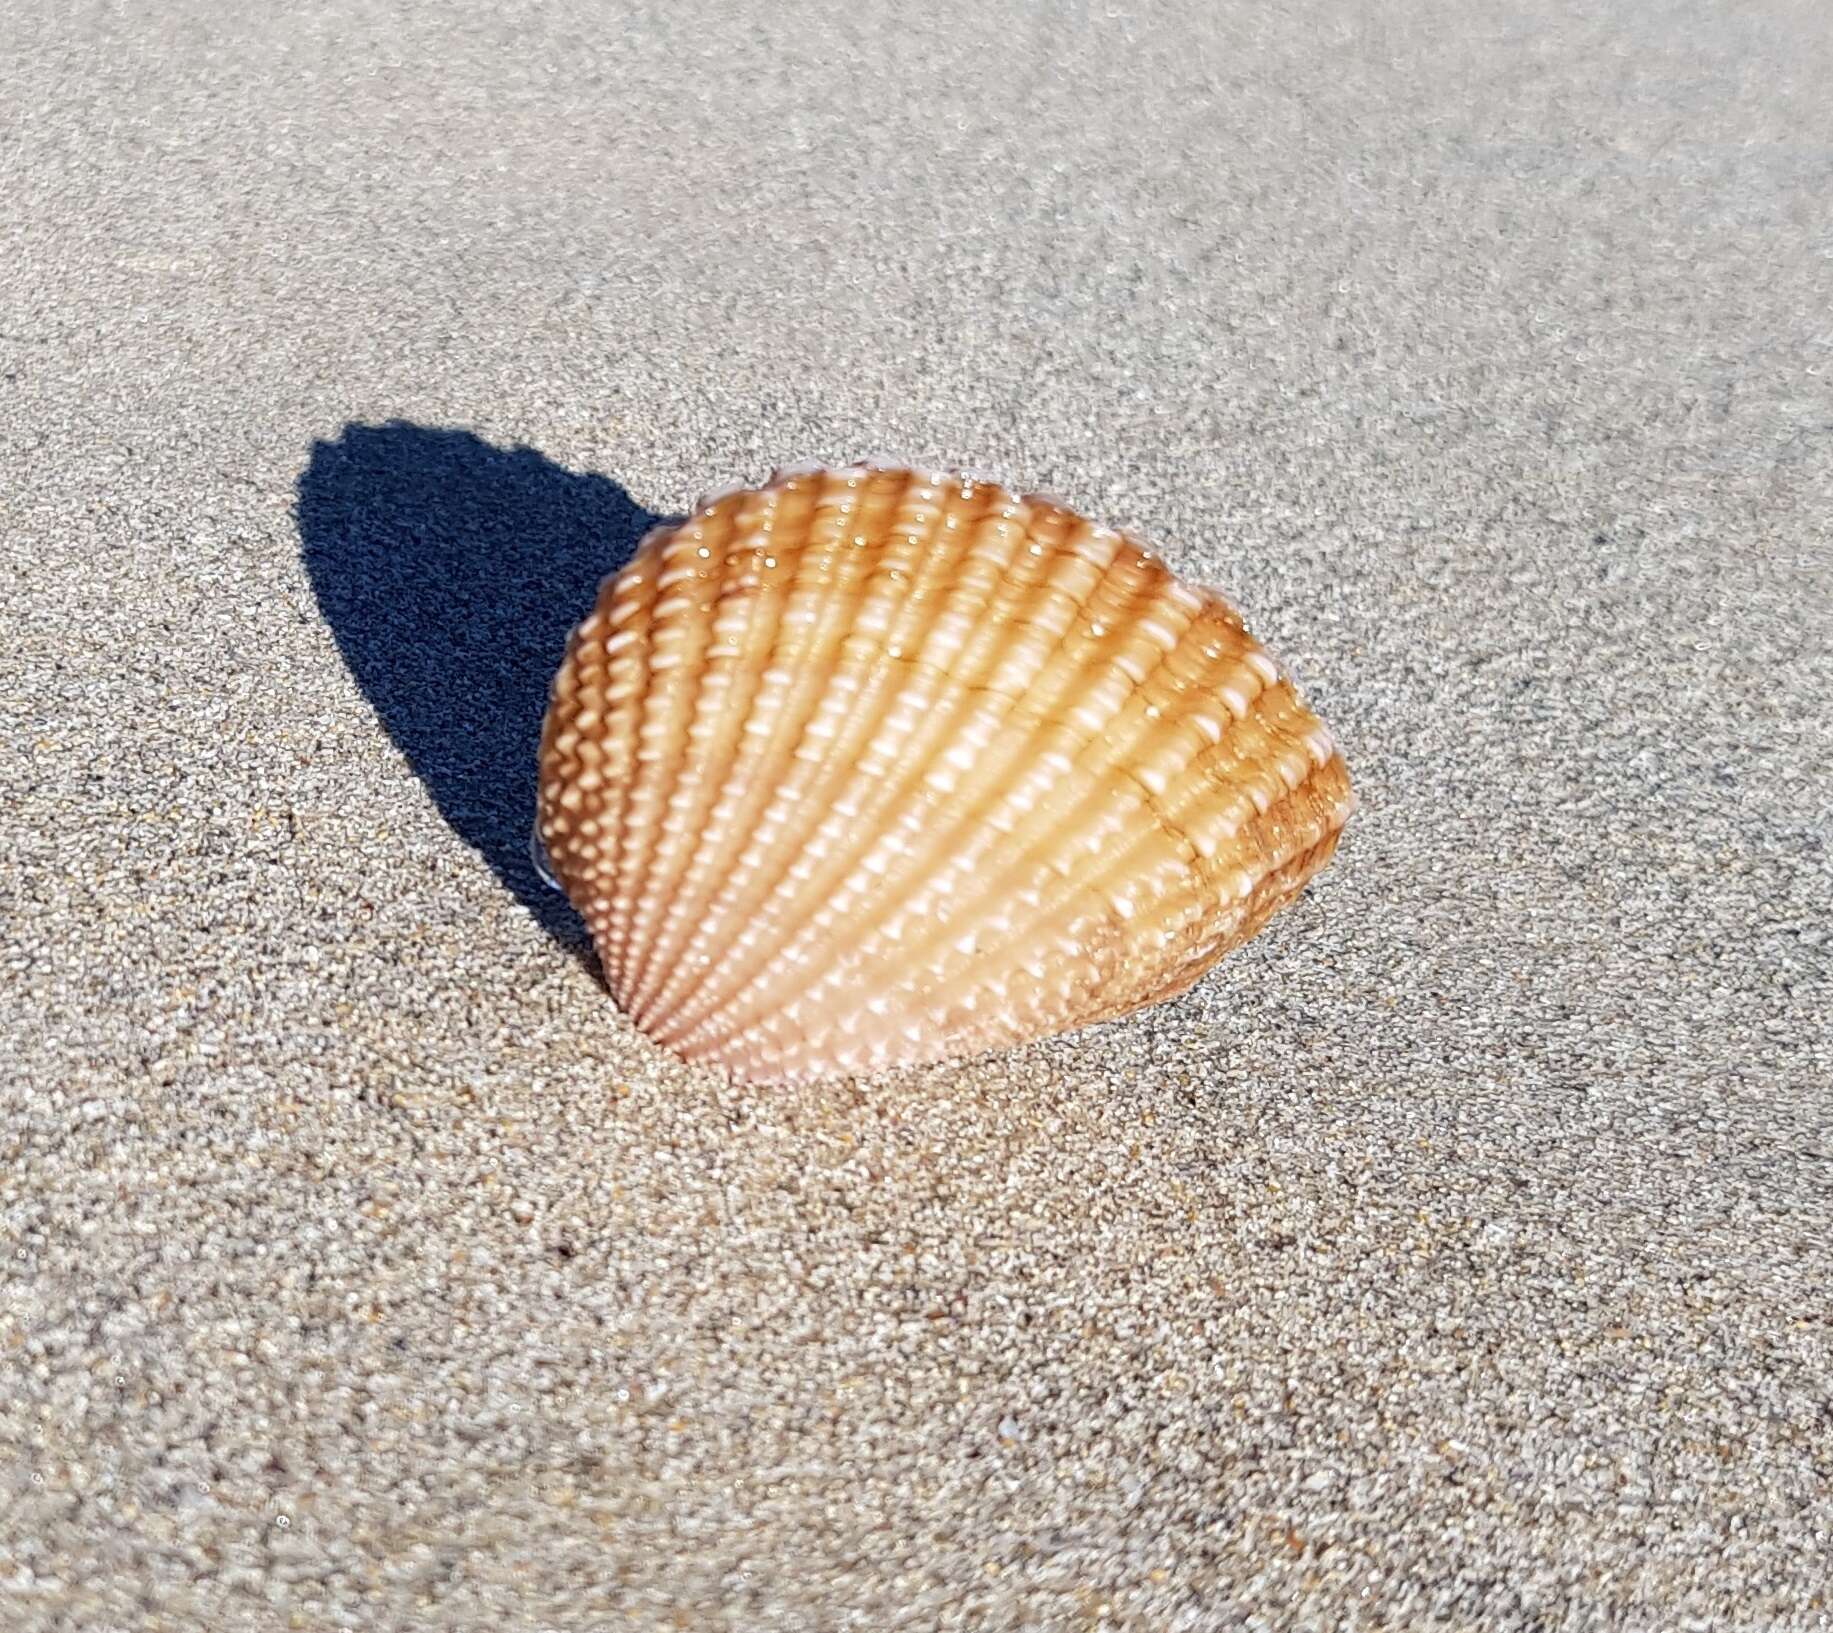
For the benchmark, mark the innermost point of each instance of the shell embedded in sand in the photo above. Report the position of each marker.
(874, 766)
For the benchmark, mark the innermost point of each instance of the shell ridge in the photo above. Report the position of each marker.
(1184, 926)
(752, 588)
(912, 615)
(621, 860)
(744, 676)
(1042, 1013)
(832, 586)
(671, 673)
(897, 798)
(974, 830)
(633, 588)
(707, 914)
(868, 693)
(1069, 891)
(712, 839)
(1066, 664)
(691, 758)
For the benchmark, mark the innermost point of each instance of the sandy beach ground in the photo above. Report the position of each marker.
(1455, 1257)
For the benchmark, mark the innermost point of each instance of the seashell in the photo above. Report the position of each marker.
(873, 766)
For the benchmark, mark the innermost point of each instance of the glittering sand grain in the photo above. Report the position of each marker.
(1455, 1257)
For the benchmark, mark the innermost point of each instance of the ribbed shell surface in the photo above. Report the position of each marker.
(871, 766)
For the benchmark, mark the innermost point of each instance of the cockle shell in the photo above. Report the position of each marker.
(873, 766)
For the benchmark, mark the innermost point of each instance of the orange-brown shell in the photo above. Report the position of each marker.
(873, 766)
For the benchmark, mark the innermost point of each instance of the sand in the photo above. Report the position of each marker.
(1456, 1256)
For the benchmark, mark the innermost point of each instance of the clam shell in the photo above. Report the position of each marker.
(873, 766)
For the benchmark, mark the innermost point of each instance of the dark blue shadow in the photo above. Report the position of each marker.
(451, 573)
